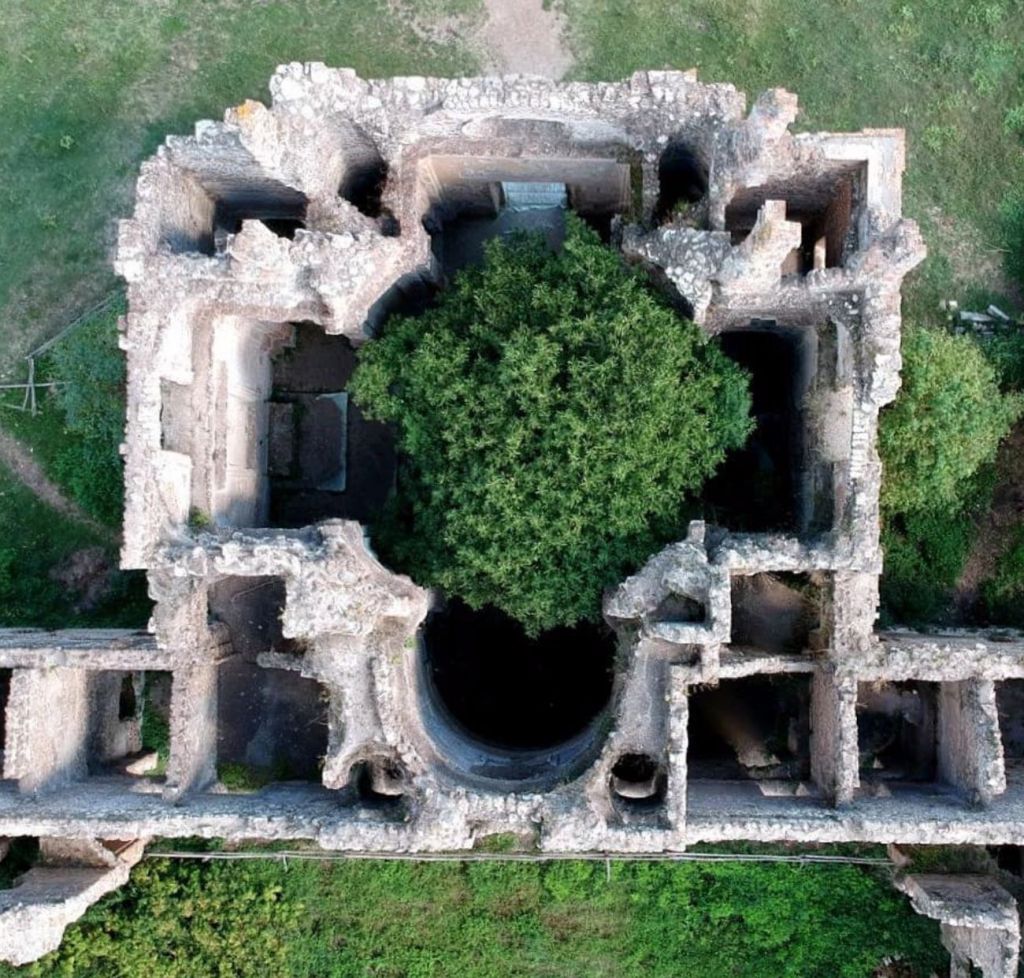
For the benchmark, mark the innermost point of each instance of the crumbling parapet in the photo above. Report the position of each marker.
(834, 755)
(980, 921)
(70, 878)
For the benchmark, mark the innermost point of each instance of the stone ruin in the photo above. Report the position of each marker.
(747, 693)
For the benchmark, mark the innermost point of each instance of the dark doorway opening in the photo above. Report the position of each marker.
(757, 727)
(513, 692)
(897, 731)
(283, 216)
(1010, 703)
(756, 488)
(271, 721)
(126, 702)
(325, 459)
(682, 179)
(5, 692)
(363, 186)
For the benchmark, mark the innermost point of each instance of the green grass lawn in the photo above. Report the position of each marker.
(495, 920)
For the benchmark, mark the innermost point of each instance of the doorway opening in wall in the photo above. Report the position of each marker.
(1010, 703)
(682, 183)
(754, 728)
(271, 723)
(505, 690)
(475, 199)
(897, 731)
(325, 459)
(5, 695)
(126, 738)
(757, 488)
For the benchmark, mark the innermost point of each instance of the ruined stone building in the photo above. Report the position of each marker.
(741, 690)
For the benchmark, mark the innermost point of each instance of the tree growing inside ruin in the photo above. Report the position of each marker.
(947, 422)
(554, 415)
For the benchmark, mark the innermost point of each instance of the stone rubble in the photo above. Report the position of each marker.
(800, 233)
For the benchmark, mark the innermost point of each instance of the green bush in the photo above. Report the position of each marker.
(947, 421)
(183, 920)
(925, 553)
(554, 415)
(568, 919)
(1005, 351)
(236, 776)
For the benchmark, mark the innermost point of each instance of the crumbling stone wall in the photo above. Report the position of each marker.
(324, 207)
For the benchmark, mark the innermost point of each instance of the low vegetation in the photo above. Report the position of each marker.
(56, 569)
(495, 920)
(946, 423)
(938, 442)
(554, 414)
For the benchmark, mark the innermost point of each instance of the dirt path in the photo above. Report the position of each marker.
(521, 37)
(19, 460)
(995, 533)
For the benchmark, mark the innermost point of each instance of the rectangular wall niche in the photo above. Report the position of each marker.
(777, 613)
(271, 723)
(897, 732)
(756, 728)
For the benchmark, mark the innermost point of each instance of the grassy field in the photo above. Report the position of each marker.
(91, 87)
(495, 920)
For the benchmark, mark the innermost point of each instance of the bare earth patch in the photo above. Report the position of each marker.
(995, 531)
(521, 37)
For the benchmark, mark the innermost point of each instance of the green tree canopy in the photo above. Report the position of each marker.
(947, 421)
(553, 415)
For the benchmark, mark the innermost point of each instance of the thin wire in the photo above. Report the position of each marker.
(606, 857)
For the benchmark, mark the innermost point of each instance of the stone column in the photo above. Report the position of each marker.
(834, 755)
(970, 747)
(47, 735)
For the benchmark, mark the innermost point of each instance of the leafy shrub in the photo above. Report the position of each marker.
(554, 414)
(1005, 351)
(177, 920)
(493, 920)
(236, 776)
(947, 421)
(925, 553)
